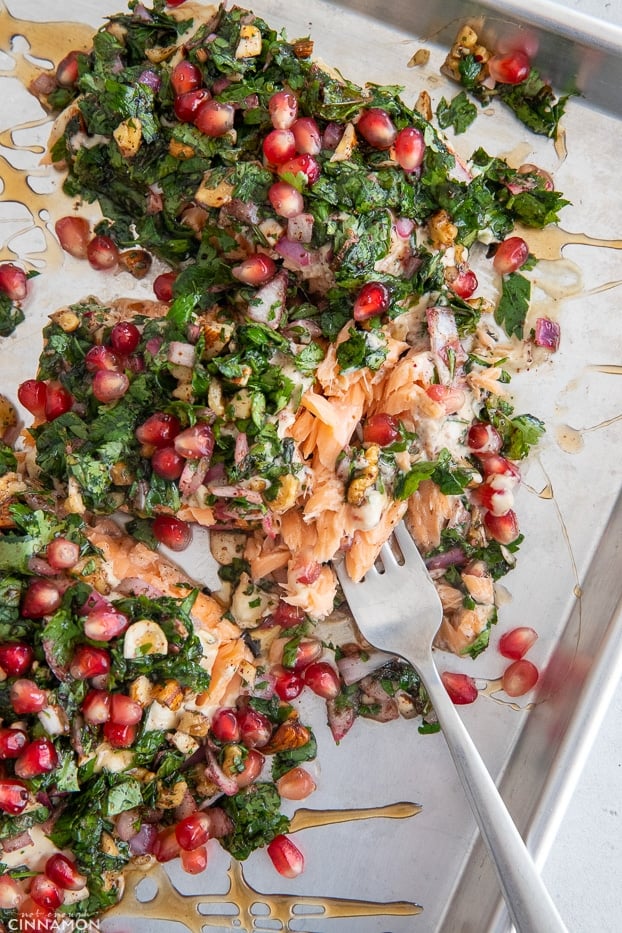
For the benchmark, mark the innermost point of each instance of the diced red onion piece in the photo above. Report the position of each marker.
(547, 334)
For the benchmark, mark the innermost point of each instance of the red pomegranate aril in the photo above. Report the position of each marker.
(96, 707)
(460, 687)
(12, 742)
(308, 651)
(124, 711)
(101, 358)
(195, 861)
(225, 726)
(58, 400)
(287, 616)
(39, 757)
(32, 395)
(45, 893)
(377, 128)
(251, 769)
(279, 146)
(36, 919)
(11, 894)
(409, 148)
(89, 661)
(109, 387)
(483, 438)
(295, 784)
(373, 299)
(102, 253)
(119, 736)
(104, 623)
(67, 70)
(175, 2)
(516, 643)
(503, 528)
(286, 857)
(13, 281)
(307, 136)
(167, 463)
(185, 77)
(286, 201)
(41, 598)
(283, 109)
(496, 464)
(510, 255)
(255, 270)
(13, 796)
(511, 68)
(186, 105)
(63, 872)
(464, 284)
(74, 234)
(255, 728)
(16, 658)
(159, 429)
(193, 831)
(27, 697)
(214, 119)
(519, 678)
(322, 679)
(166, 846)
(450, 397)
(172, 532)
(163, 286)
(288, 684)
(62, 554)
(305, 165)
(332, 135)
(381, 429)
(195, 442)
(495, 494)
(124, 337)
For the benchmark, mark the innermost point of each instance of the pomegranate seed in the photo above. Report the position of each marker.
(36, 919)
(516, 644)
(512, 68)
(482, 438)
(62, 554)
(57, 400)
(308, 572)
(194, 861)
(124, 711)
(13, 796)
(159, 429)
(495, 494)
(307, 136)
(255, 728)
(38, 757)
(214, 119)
(27, 697)
(12, 742)
(376, 127)
(74, 234)
(119, 736)
(502, 528)
(32, 394)
(193, 831)
(67, 71)
(63, 872)
(195, 442)
(464, 284)
(288, 684)
(286, 857)
(13, 281)
(308, 651)
(381, 429)
(305, 165)
(287, 616)
(295, 784)
(451, 398)
(460, 687)
(286, 201)
(186, 105)
(167, 463)
(124, 337)
(96, 707)
(279, 146)
(41, 598)
(251, 769)
(409, 148)
(373, 299)
(185, 77)
(283, 109)
(104, 623)
(175, 2)
(102, 253)
(172, 532)
(495, 464)
(100, 358)
(16, 658)
(255, 270)
(163, 286)
(45, 893)
(166, 846)
(322, 679)
(225, 726)
(510, 255)
(519, 678)
(11, 894)
(88, 662)
(109, 387)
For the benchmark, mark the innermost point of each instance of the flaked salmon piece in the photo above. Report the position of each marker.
(264, 556)
(429, 510)
(334, 382)
(296, 533)
(451, 597)
(459, 629)
(337, 420)
(202, 515)
(328, 493)
(366, 545)
(486, 381)
(317, 599)
(480, 587)
(224, 673)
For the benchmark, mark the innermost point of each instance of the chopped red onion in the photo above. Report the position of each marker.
(547, 334)
(151, 79)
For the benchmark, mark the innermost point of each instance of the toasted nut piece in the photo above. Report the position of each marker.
(233, 759)
(421, 57)
(216, 336)
(179, 150)
(121, 475)
(423, 105)
(160, 53)
(361, 483)
(141, 690)
(441, 229)
(128, 137)
(215, 398)
(242, 379)
(170, 797)
(169, 693)
(184, 742)
(249, 45)
(289, 735)
(240, 405)
(345, 146)
(8, 416)
(194, 724)
(213, 195)
(303, 48)
(285, 498)
(108, 845)
(67, 320)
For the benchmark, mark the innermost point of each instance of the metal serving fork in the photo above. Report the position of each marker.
(397, 609)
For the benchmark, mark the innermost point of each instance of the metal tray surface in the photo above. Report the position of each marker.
(567, 583)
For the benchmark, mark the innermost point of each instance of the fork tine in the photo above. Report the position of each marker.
(405, 540)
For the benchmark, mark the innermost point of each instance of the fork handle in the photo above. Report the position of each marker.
(526, 897)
